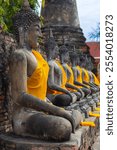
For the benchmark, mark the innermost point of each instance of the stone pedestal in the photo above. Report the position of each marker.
(81, 140)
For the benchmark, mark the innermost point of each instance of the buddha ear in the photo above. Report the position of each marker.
(21, 37)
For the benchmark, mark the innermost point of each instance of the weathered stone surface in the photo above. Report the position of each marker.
(7, 44)
(96, 145)
(62, 17)
(81, 140)
(61, 12)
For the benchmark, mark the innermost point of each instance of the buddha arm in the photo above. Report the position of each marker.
(80, 84)
(30, 101)
(68, 85)
(89, 84)
(75, 71)
(51, 83)
(93, 89)
(93, 84)
(18, 78)
(75, 88)
(68, 74)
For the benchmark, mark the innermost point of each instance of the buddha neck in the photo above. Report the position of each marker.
(26, 46)
(62, 58)
(73, 63)
(50, 57)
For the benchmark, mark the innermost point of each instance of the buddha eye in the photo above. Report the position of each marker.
(37, 29)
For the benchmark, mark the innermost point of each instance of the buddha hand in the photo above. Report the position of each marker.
(74, 98)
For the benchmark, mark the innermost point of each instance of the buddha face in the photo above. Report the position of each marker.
(34, 32)
(82, 61)
(52, 51)
(78, 59)
(64, 57)
(73, 58)
(56, 52)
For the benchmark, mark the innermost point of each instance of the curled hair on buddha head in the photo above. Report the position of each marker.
(50, 43)
(23, 19)
(63, 49)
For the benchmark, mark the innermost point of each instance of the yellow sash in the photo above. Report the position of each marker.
(71, 79)
(98, 77)
(63, 82)
(64, 76)
(37, 83)
(86, 76)
(79, 78)
(96, 81)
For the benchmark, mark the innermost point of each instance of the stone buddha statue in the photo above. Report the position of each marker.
(32, 115)
(93, 79)
(77, 71)
(64, 56)
(57, 91)
(89, 66)
(88, 77)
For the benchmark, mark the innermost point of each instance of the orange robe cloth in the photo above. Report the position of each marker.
(86, 76)
(98, 77)
(63, 82)
(64, 76)
(79, 78)
(71, 79)
(96, 81)
(37, 83)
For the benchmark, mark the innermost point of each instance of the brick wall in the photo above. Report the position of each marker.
(7, 45)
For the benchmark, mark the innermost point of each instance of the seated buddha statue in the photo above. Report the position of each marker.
(57, 92)
(98, 72)
(65, 59)
(93, 79)
(88, 77)
(77, 72)
(33, 115)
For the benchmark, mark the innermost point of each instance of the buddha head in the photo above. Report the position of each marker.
(89, 63)
(64, 53)
(51, 47)
(73, 56)
(27, 27)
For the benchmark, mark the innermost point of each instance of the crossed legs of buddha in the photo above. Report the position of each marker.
(63, 100)
(31, 123)
(40, 125)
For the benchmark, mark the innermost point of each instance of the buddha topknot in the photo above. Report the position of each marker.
(63, 49)
(50, 42)
(24, 18)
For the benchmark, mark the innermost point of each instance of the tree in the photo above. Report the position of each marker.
(95, 34)
(9, 7)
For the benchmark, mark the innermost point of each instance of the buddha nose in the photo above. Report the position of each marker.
(40, 34)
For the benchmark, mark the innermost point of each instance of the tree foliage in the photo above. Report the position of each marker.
(9, 7)
(95, 34)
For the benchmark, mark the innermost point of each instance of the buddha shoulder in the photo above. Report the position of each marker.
(74, 68)
(52, 63)
(18, 56)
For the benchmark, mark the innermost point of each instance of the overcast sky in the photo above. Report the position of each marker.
(89, 15)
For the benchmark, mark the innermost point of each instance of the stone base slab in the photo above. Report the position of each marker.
(81, 140)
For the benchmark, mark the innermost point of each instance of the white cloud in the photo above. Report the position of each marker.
(89, 15)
